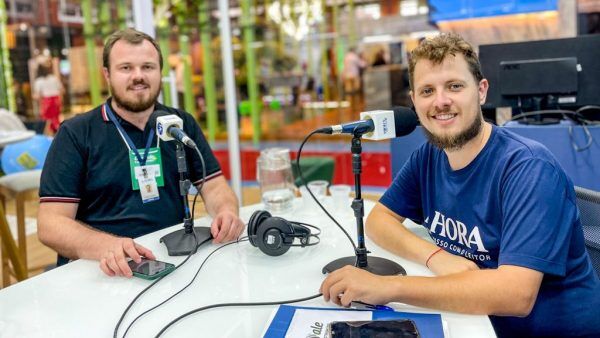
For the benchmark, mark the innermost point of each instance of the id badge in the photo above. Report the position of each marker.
(148, 189)
(152, 169)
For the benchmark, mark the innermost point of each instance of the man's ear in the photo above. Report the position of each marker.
(412, 98)
(483, 89)
(106, 74)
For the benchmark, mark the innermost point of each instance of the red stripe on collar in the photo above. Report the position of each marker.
(103, 111)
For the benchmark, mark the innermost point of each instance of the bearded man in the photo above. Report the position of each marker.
(507, 239)
(91, 204)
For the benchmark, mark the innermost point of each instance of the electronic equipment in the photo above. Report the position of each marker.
(373, 328)
(275, 235)
(185, 241)
(170, 127)
(378, 124)
(375, 125)
(150, 269)
(541, 75)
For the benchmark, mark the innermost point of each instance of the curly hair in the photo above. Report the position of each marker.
(436, 49)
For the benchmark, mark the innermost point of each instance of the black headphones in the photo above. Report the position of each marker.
(275, 235)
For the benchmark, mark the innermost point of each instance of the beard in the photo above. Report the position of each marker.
(456, 142)
(138, 104)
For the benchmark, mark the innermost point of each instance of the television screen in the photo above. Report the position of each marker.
(442, 10)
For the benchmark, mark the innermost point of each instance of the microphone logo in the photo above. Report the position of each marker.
(159, 128)
(384, 123)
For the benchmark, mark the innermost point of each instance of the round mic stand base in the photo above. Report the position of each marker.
(182, 243)
(377, 265)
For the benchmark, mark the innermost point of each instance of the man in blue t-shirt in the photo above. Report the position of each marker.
(501, 212)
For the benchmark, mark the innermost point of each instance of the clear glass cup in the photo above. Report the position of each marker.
(318, 188)
(340, 197)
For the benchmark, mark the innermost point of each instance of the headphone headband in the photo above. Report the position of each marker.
(275, 235)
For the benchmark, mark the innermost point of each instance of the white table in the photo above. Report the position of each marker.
(78, 300)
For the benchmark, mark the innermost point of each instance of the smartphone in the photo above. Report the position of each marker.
(375, 328)
(149, 269)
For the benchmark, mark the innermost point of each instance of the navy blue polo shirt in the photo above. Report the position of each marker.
(88, 163)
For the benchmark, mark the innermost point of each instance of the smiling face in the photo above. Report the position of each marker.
(447, 98)
(134, 77)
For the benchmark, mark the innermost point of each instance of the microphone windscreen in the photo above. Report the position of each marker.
(405, 120)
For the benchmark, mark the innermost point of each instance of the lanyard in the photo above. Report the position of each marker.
(128, 142)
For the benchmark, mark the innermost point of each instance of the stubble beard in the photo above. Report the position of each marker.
(456, 142)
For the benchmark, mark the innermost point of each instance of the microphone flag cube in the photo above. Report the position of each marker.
(383, 121)
(163, 123)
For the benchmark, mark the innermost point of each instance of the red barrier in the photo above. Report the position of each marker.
(376, 167)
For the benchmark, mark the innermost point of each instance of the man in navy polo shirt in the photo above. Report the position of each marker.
(107, 177)
(499, 208)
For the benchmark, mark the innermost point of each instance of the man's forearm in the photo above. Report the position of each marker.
(70, 238)
(390, 234)
(223, 200)
(474, 292)
(218, 197)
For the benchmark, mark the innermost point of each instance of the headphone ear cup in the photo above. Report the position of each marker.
(255, 220)
(271, 236)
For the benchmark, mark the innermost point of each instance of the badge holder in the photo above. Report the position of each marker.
(183, 242)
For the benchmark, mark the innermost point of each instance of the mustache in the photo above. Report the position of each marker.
(139, 82)
(445, 110)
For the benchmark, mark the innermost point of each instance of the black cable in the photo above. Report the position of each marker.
(198, 189)
(588, 135)
(303, 180)
(547, 112)
(576, 116)
(185, 287)
(116, 331)
(208, 307)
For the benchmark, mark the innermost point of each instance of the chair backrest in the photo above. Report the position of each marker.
(10, 121)
(588, 202)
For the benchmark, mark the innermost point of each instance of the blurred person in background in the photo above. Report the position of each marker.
(47, 90)
(351, 76)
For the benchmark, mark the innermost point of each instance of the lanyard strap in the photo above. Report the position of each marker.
(128, 142)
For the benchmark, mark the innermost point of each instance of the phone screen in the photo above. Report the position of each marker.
(405, 328)
(150, 268)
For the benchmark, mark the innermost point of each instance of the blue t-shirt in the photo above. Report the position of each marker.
(512, 205)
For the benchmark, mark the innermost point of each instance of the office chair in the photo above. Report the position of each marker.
(588, 202)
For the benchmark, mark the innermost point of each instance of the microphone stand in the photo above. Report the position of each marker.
(376, 265)
(183, 242)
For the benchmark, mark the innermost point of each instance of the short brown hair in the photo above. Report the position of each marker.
(436, 49)
(131, 36)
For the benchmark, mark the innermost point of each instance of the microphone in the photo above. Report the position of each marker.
(170, 127)
(377, 124)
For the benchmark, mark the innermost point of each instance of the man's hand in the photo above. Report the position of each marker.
(445, 263)
(226, 227)
(114, 257)
(349, 284)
